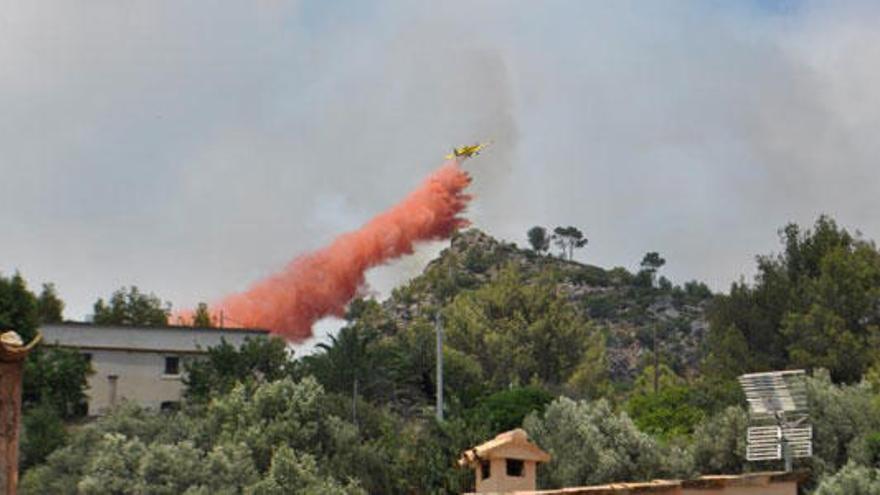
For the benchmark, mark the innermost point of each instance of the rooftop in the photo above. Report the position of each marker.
(100, 326)
(176, 339)
(716, 482)
(514, 444)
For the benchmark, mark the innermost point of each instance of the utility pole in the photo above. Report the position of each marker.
(656, 362)
(439, 329)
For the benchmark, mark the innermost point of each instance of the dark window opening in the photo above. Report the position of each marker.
(169, 405)
(172, 365)
(515, 467)
(485, 470)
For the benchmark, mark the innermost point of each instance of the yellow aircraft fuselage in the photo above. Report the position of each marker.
(466, 151)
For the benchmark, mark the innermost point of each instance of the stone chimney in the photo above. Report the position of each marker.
(507, 463)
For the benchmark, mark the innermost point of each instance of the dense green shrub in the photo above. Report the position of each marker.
(591, 444)
(505, 410)
(851, 480)
(669, 413)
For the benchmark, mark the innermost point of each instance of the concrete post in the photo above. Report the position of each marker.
(439, 327)
(12, 355)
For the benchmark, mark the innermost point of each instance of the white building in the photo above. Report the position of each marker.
(139, 364)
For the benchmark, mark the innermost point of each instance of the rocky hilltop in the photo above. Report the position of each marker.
(629, 307)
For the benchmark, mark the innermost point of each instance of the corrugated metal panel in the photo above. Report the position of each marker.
(765, 442)
(775, 391)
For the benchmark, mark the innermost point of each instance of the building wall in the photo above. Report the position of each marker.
(140, 377)
(500, 482)
(135, 356)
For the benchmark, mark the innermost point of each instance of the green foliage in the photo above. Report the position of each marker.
(299, 474)
(49, 306)
(114, 467)
(718, 444)
(128, 466)
(54, 379)
(620, 276)
(42, 433)
(602, 306)
(352, 362)
(429, 451)
(257, 359)
(728, 353)
(409, 359)
(840, 414)
(229, 445)
(590, 379)
(651, 264)
(345, 361)
(813, 305)
(132, 307)
(666, 378)
(568, 239)
(477, 260)
(505, 410)
(18, 307)
(276, 413)
(588, 275)
(851, 480)
(538, 239)
(518, 332)
(591, 444)
(58, 377)
(697, 290)
(202, 317)
(866, 450)
(669, 413)
(404, 371)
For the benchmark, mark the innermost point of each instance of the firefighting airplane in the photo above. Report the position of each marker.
(467, 151)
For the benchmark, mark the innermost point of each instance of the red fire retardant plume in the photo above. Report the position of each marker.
(322, 283)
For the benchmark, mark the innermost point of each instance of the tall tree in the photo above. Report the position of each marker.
(202, 317)
(538, 239)
(592, 444)
(813, 305)
(519, 332)
(56, 376)
(18, 307)
(49, 306)
(225, 365)
(568, 239)
(651, 264)
(348, 353)
(132, 307)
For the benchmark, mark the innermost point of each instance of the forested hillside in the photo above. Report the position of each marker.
(619, 374)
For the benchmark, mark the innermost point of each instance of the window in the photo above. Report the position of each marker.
(172, 365)
(169, 405)
(485, 470)
(515, 468)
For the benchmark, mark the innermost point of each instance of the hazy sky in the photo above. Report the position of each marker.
(192, 147)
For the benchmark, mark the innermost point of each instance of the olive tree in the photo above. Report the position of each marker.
(591, 444)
